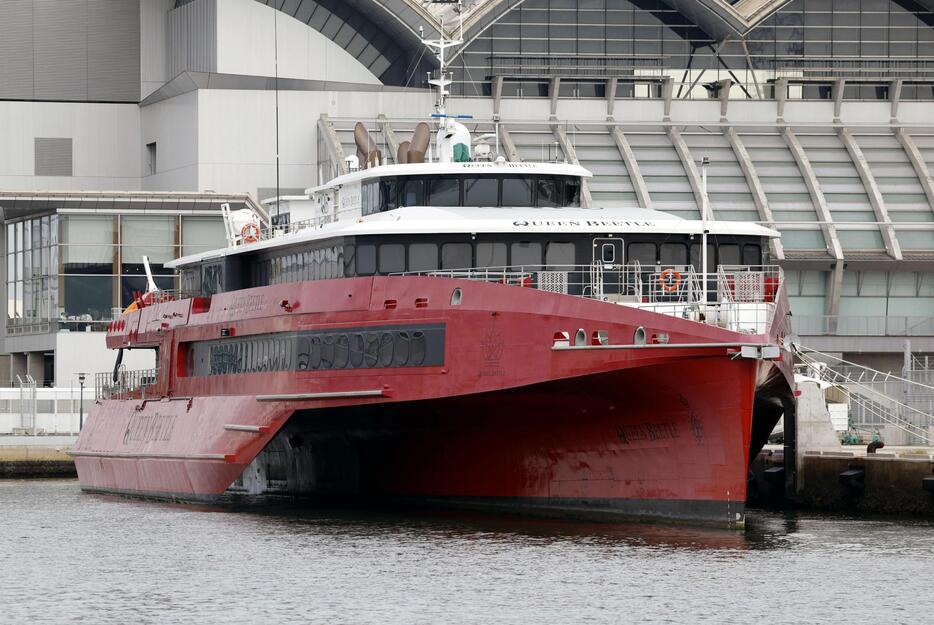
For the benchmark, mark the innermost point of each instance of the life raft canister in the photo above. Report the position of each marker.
(670, 280)
(250, 233)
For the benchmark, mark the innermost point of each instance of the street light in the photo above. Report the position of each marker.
(81, 377)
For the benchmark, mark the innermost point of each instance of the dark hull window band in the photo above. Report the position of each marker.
(320, 350)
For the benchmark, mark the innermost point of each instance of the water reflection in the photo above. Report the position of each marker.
(114, 560)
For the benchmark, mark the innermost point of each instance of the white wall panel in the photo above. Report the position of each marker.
(304, 53)
(104, 139)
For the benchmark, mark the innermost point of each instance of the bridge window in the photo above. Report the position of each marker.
(413, 192)
(548, 193)
(481, 191)
(517, 192)
(445, 192)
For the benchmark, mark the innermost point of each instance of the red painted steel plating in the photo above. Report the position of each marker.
(507, 416)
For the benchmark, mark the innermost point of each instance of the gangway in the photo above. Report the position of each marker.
(860, 383)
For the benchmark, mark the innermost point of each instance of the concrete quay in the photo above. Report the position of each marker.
(36, 456)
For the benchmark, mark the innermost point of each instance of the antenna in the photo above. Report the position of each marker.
(438, 47)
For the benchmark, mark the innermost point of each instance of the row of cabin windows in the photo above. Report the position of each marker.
(331, 262)
(487, 191)
(399, 257)
(319, 264)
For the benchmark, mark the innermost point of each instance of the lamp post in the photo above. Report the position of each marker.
(81, 377)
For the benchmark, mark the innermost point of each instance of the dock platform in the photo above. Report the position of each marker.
(36, 456)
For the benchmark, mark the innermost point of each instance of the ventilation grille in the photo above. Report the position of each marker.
(53, 157)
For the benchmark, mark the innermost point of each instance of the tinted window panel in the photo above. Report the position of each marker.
(423, 257)
(481, 191)
(445, 192)
(729, 254)
(559, 254)
(696, 257)
(572, 192)
(491, 254)
(456, 256)
(526, 254)
(674, 254)
(517, 192)
(644, 253)
(389, 190)
(752, 254)
(413, 192)
(366, 260)
(548, 193)
(391, 258)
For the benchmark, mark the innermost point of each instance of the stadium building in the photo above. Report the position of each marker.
(125, 124)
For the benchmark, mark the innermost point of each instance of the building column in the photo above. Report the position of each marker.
(6, 368)
(17, 367)
(35, 366)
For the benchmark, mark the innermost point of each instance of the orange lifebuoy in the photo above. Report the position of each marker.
(669, 280)
(250, 233)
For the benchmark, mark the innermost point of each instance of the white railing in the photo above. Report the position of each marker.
(740, 298)
(127, 385)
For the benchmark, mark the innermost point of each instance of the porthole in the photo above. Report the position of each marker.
(639, 336)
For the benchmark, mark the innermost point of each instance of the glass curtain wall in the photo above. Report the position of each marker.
(80, 269)
(806, 41)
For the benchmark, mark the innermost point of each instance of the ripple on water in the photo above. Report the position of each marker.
(66, 557)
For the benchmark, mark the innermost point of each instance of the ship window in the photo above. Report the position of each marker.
(548, 193)
(389, 191)
(423, 257)
(696, 257)
(456, 255)
(413, 192)
(526, 253)
(517, 192)
(674, 254)
(391, 258)
(642, 252)
(369, 198)
(729, 254)
(491, 254)
(608, 253)
(752, 254)
(572, 192)
(445, 192)
(558, 254)
(366, 260)
(481, 191)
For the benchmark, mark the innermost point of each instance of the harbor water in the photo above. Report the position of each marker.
(71, 557)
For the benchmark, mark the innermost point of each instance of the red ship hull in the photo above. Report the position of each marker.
(508, 419)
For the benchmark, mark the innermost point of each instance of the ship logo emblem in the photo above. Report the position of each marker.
(492, 345)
